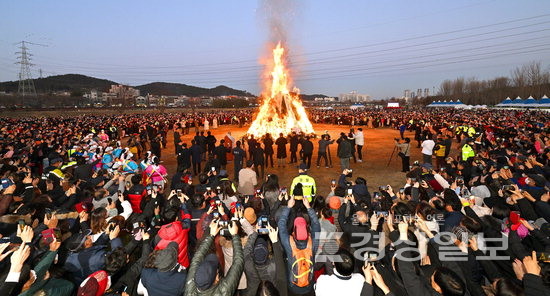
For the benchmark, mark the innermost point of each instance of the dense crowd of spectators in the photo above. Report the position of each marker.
(88, 208)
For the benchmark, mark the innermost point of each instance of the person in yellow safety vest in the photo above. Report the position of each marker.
(439, 151)
(308, 183)
(70, 152)
(458, 129)
(223, 177)
(68, 165)
(53, 172)
(471, 131)
(468, 150)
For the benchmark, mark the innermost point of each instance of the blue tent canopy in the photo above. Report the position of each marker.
(530, 102)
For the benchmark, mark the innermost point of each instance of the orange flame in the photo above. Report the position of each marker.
(281, 110)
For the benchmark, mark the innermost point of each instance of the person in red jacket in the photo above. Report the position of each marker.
(136, 193)
(178, 232)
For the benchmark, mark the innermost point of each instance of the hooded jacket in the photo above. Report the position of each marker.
(178, 232)
(273, 270)
(285, 238)
(228, 284)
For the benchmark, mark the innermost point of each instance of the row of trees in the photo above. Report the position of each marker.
(230, 103)
(527, 80)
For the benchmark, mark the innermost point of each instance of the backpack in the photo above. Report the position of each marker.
(302, 268)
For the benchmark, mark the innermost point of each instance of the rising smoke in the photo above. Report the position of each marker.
(278, 16)
(281, 110)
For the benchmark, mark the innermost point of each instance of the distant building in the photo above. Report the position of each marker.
(325, 99)
(122, 95)
(62, 93)
(180, 101)
(354, 97)
(152, 100)
(94, 97)
(407, 94)
(141, 101)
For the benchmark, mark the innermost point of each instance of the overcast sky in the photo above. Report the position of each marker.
(374, 47)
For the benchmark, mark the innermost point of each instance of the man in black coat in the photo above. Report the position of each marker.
(251, 146)
(210, 142)
(268, 149)
(281, 150)
(258, 159)
(184, 157)
(238, 159)
(220, 152)
(196, 153)
(307, 151)
(293, 147)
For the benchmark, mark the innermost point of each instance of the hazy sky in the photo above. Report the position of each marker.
(374, 47)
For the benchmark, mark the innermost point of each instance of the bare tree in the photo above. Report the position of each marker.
(445, 89)
(458, 87)
(519, 77)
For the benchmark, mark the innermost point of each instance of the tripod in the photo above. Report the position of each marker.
(391, 156)
(329, 157)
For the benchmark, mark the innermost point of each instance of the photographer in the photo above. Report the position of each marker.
(344, 151)
(358, 188)
(404, 153)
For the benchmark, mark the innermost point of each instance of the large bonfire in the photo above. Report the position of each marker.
(281, 110)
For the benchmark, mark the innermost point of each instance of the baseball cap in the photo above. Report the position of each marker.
(76, 241)
(300, 228)
(260, 251)
(167, 258)
(94, 285)
(250, 215)
(334, 203)
(206, 272)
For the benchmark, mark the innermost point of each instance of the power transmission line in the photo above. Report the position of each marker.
(356, 62)
(26, 83)
(391, 42)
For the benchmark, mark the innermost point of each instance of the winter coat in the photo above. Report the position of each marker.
(177, 232)
(225, 286)
(285, 238)
(85, 262)
(171, 283)
(135, 195)
(344, 149)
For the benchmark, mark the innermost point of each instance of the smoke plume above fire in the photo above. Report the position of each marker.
(281, 110)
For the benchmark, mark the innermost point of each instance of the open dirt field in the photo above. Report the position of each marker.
(378, 147)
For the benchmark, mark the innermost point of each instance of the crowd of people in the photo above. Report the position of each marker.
(88, 208)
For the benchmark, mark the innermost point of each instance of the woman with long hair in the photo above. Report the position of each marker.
(270, 189)
(98, 222)
(227, 193)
